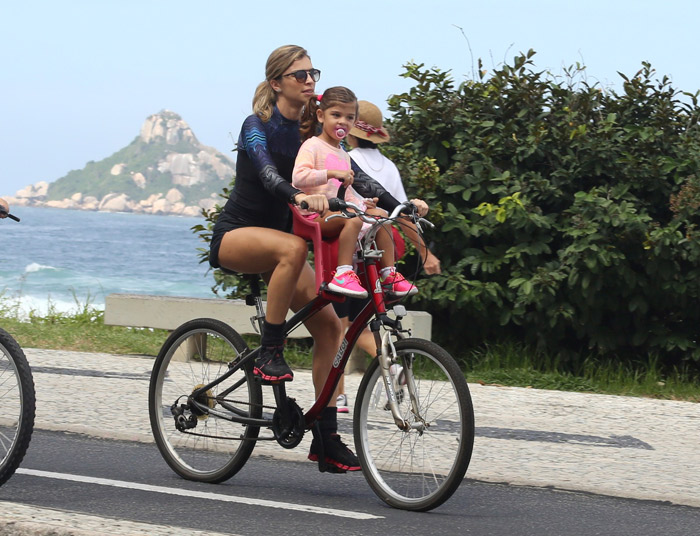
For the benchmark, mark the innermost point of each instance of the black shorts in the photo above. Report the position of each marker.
(224, 223)
(350, 308)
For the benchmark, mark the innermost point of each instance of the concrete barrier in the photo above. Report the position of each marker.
(168, 312)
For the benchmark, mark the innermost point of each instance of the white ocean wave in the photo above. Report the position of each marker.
(36, 267)
(42, 307)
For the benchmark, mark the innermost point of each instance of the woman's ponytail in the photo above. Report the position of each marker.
(308, 124)
(264, 101)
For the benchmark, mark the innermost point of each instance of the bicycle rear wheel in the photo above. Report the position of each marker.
(206, 448)
(18, 405)
(420, 468)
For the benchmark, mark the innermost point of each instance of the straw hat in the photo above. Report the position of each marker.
(369, 124)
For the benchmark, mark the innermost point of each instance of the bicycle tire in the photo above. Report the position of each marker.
(18, 402)
(195, 354)
(415, 470)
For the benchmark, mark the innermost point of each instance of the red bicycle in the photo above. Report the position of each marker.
(413, 421)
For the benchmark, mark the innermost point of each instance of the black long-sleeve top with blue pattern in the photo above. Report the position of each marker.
(264, 164)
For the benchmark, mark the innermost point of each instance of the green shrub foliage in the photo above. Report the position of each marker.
(567, 214)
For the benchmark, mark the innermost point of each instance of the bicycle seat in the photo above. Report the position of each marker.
(325, 249)
(252, 279)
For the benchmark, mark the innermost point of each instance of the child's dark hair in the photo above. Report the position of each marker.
(308, 124)
(365, 144)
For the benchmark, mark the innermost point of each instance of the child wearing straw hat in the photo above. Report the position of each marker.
(363, 138)
(367, 132)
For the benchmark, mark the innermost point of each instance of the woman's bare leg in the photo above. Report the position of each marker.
(280, 256)
(323, 326)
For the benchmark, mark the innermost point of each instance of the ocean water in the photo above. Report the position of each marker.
(65, 259)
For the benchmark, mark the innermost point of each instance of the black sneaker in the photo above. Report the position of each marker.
(337, 454)
(270, 365)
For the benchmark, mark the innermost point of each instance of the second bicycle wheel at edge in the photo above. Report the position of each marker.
(17, 400)
(194, 355)
(416, 469)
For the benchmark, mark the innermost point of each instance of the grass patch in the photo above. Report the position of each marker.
(509, 364)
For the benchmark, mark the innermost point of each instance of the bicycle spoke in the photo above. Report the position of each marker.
(420, 467)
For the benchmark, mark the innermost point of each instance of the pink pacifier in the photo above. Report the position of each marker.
(340, 133)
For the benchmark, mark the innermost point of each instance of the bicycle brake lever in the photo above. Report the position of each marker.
(429, 223)
(339, 215)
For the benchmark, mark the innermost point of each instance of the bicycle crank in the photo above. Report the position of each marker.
(288, 424)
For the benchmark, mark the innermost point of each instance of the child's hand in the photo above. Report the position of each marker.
(371, 202)
(346, 176)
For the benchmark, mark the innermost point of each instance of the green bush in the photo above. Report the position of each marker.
(567, 214)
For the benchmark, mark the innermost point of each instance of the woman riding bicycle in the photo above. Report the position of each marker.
(252, 234)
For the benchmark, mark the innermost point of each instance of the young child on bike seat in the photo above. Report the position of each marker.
(321, 167)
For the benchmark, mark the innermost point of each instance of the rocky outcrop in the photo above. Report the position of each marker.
(168, 125)
(33, 191)
(184, 162)
(168, 204)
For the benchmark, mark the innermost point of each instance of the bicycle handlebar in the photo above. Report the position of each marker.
(11, 216)
(338, 204)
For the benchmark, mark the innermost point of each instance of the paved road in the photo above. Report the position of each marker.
(609, 445)
(95, 485)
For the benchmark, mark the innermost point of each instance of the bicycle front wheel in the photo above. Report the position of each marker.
(421, 467)
(203, 445)
(18, 405)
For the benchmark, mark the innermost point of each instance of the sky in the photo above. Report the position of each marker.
(79, 77)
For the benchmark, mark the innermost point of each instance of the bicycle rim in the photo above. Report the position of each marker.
(18, 405)
(214, 449)
(421, 468)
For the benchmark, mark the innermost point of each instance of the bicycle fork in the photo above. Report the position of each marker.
(386, 358)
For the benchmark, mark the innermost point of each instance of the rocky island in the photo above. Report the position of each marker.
(164, 170)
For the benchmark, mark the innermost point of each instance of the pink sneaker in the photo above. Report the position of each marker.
(347, 284)
(396, 284)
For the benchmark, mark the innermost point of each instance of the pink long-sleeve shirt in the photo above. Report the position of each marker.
(310, 173)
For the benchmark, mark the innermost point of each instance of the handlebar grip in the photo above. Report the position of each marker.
(336, 205)
(304, 205)
(408, 209)
(11, 216)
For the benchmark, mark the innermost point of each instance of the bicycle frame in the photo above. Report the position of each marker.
(367, 268)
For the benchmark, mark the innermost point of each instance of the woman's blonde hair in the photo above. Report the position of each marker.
(279, 61)
(308, 124)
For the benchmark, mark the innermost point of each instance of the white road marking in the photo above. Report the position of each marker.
(199, 494)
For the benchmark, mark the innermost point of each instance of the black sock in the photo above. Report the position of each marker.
(329, 421)
(272, 335)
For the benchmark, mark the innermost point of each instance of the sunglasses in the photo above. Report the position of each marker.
(301, 75)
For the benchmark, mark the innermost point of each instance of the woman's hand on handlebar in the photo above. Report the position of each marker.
(422, 207)
(4, 208)
(315, 203)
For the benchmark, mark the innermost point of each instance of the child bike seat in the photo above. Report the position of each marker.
(325, 249)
